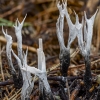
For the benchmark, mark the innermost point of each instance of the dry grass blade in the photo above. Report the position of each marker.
(1, 64)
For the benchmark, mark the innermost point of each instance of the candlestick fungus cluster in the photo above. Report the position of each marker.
(83, 31)
(22, 78)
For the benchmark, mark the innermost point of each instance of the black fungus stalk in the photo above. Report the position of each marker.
(45, 96)
(49, 96)
(18, 80)
(62, 93)
(64, 61)
(87, 76)
(27, 98)
(42, 95)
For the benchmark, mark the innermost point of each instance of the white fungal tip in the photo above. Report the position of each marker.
(43, 62)
(39, 58)
(40, 44)
(24, 19)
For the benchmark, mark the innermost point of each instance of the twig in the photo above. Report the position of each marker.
(75, 92)
(68, 90)
(75, 53)
(13, 97)
(8, 82)
(2, 50)
(14, 45)
(62, 93)
(55, 78)
(11, 92)
(11, 11)
(1, 64)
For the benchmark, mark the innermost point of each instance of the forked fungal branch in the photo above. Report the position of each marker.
(41, 72)
(17, 79)
(18, 27)
(64, 55)
(75, 30)
(24, 78)
(28, 83)
(8, 50)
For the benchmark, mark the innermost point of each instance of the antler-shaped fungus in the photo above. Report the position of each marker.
(18, 27)
(85, 49)
(28, 84)
(72, 28)
(64, 52)
(8, 50)
(17, 80)
(41, 90)
(41, 73)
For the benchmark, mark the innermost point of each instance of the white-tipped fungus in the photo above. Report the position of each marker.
(85, 43)
(89, 29)
(8, 50)
(18, 27)
(40, 67)
(40, 73)
(28, 83)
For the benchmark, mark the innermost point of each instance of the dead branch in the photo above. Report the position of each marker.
(75, 92)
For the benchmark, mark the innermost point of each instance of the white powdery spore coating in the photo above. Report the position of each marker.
(89, 23)
(18, 27)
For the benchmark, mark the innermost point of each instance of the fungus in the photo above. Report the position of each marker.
(64, 55)
(18, 27)
(28, 83)
(17, 79)
(84, 45)
(41, 73)
(41, 90)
